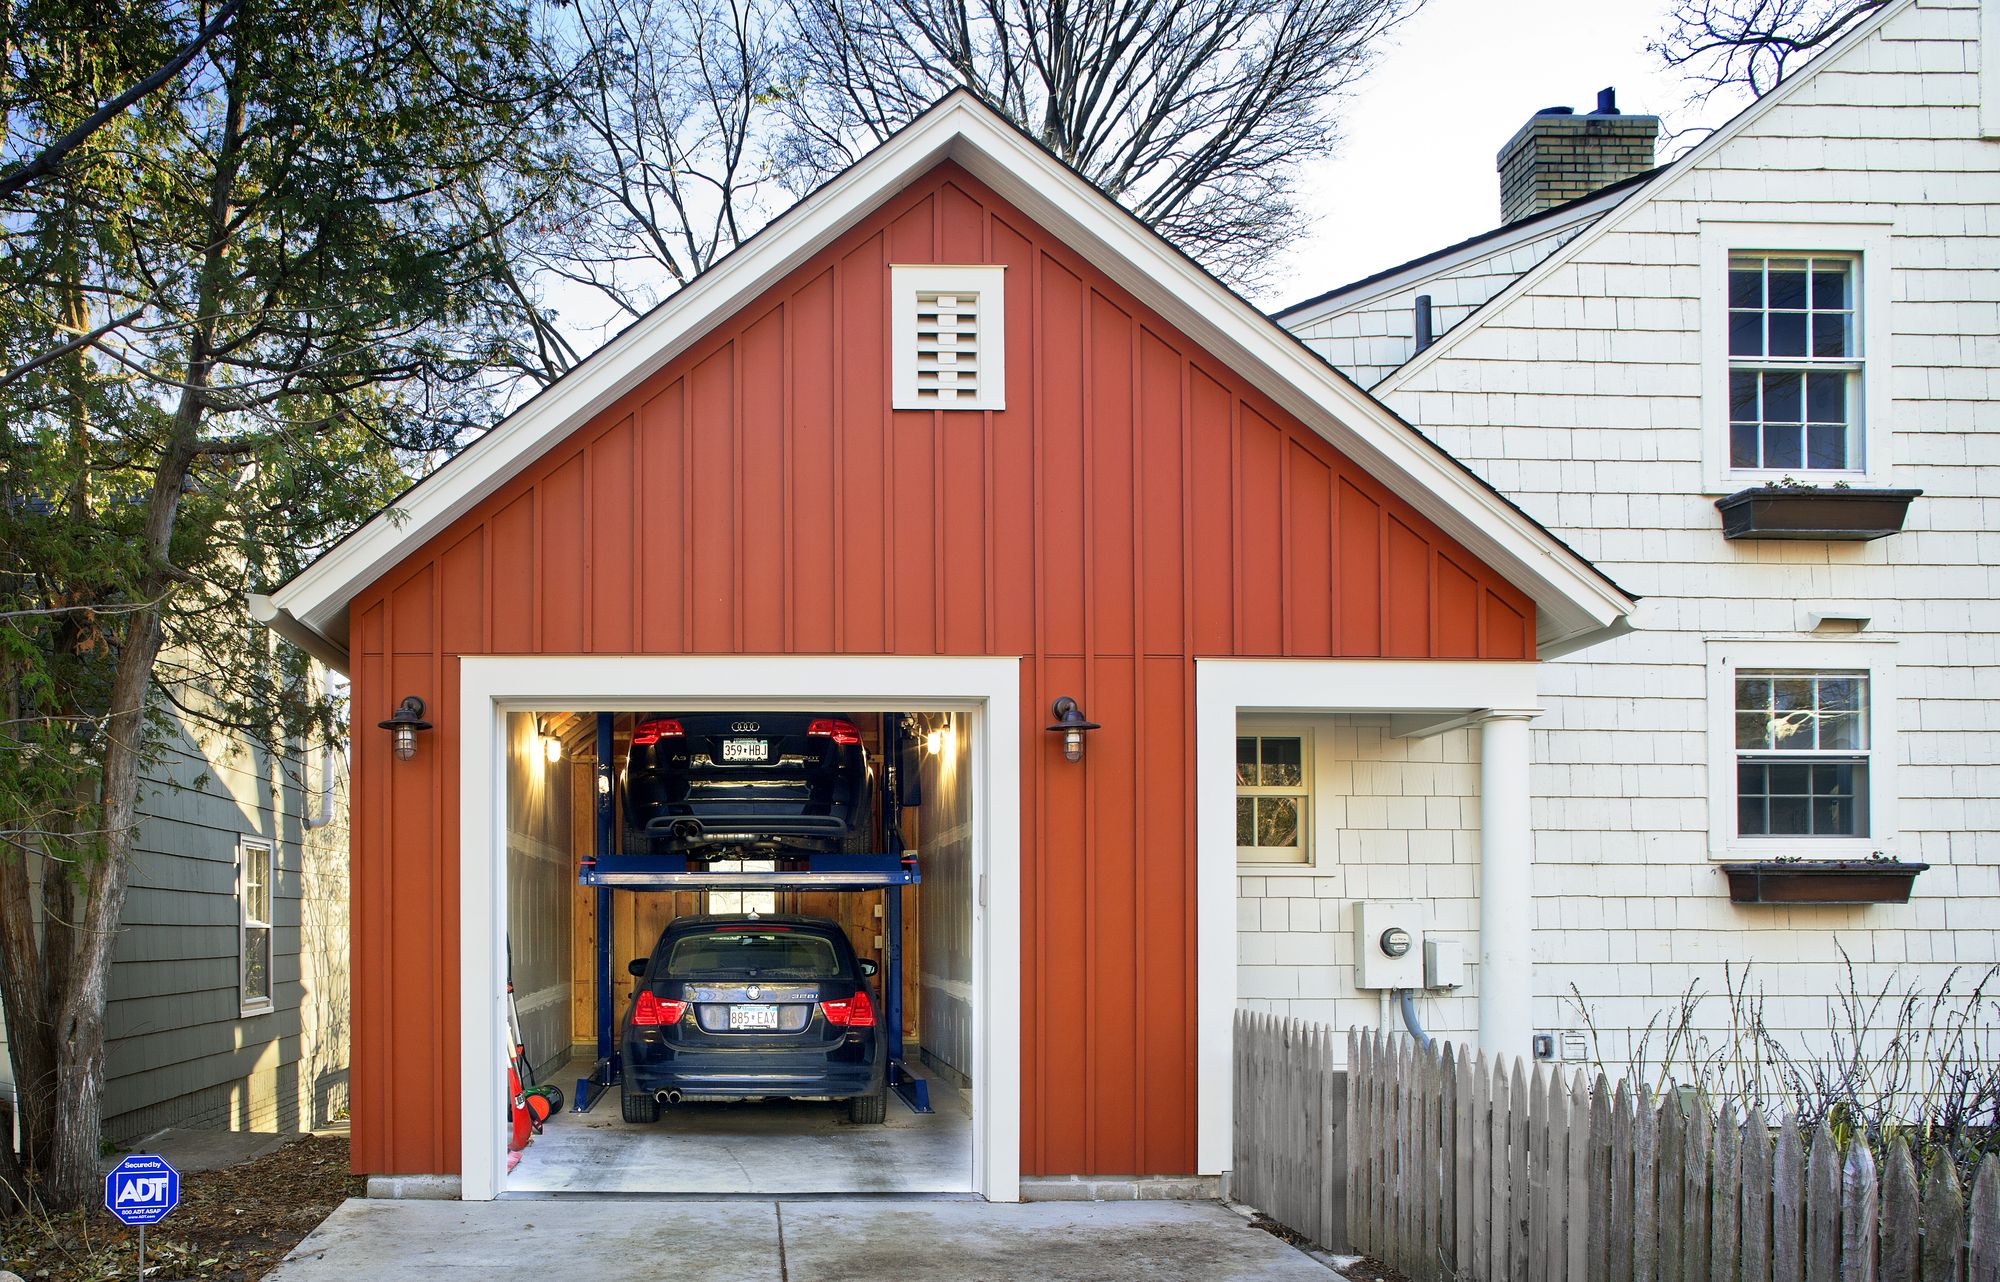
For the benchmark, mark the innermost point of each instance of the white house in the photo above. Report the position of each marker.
(1809, 299)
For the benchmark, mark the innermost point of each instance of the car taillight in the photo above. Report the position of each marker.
(855, 1012)
(652, 1012)
(844, 733)
(654, 731)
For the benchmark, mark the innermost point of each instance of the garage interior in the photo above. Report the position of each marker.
(708, 1147)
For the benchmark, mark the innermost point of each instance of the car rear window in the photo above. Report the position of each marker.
(767, 953)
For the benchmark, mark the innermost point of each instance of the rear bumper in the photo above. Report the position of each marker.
(712, 826)
(840, 1071)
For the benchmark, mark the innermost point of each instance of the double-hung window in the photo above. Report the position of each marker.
(1795, 364)
(1274, 797)
(254, 869)
(1802, 749)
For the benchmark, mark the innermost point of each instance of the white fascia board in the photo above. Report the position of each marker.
(1488, 246)
(1708, 146)
(1572, 599)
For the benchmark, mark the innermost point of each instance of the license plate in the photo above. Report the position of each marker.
(753, 1016)
(745, 749)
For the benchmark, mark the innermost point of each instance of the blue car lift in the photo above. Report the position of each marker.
(607, 871)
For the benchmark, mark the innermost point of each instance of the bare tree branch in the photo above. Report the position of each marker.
(1752, 44)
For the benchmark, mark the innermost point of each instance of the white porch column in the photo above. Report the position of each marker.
(1506, 892)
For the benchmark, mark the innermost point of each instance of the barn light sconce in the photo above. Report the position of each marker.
(551, 746)
(1071, 723)
(408, 719)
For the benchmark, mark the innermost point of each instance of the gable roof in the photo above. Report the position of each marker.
(1654, 182)
(1575, 603)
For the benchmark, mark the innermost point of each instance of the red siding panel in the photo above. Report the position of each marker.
(1135, 505)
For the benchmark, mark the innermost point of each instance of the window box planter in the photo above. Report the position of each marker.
(1805, 512)
(1826, 881)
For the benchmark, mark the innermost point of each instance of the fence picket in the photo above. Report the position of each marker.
(1448, 1160)
(1982, 1256)
(1944, 1222)
(1618, 1244)
(1467, 1135)
(1521, 1206)
(1756, 1219)
(1822, 1210)
(1788, 1205)
(1695, 1185)
(1583, 1185)
(1899, 1216)
(1646, 1189)
(1478, 1262)
(1554, 1133)
(1500, 1267)
(1539, 1175)
(1725, 1232)
(1857, 1215)
(1673, 1186)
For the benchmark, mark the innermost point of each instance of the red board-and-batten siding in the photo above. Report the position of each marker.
(1136, 504)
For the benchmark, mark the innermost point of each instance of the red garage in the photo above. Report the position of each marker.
(952, 440)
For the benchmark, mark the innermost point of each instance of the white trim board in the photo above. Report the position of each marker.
(985, 691)
(1573, 600)
(1226, 689)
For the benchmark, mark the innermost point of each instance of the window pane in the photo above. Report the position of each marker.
(1753, 729)
(1750, 820)
(1743, 445)
(1829, 283)
(1829, 334)
(1743, 396)
(1746, 285)
(1782, 393)
(1826, 398)
(1246, 762)
(1283, 763)
(1789, 779)
(1746, 333)
(1789, 692)
(1246, 821)
(1788, 334)
(1790, 817)
(256, 963)
(1277, 821)
(1783, 446)
(1787, 283)
(1840, 694)
(1753, 692)
(1826, 446)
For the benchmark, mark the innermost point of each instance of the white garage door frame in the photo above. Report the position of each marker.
(987, 690)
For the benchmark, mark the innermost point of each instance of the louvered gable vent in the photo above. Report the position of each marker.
(947, 333)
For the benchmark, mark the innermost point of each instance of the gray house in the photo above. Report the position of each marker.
(229, 988)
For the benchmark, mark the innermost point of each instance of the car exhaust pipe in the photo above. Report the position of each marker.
(667, 1097)
(686, 829)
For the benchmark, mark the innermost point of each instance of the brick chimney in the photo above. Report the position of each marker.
(1558, 155)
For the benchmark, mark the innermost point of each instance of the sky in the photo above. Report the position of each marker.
(1415, 170)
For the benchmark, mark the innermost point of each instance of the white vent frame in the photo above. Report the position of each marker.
(984, 281)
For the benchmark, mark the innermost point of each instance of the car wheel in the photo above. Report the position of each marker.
(869, 1110)
(638, 1107)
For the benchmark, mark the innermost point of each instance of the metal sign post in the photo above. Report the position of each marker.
(141, 1190)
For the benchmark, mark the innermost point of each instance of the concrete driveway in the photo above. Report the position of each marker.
(912, 1241)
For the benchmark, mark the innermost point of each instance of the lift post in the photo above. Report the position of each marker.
(607, 870)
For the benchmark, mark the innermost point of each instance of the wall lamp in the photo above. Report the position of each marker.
(1072, 723)
(552, 748)
(409, 719)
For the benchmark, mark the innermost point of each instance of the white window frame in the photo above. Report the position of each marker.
(245, 846)
(1310, 789)
(985, 280)
(1869, 245)
(1876, 658)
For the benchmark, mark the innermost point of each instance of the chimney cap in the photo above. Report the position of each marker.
(1607, 101)
(1557, 111)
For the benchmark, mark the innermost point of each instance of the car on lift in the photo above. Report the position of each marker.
(753, 1007)
(756, 785)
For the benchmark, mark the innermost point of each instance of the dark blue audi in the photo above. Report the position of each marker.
(750, 1007)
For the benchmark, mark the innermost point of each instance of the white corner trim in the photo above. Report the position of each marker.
(1226, 689)
(986, 691)
(987, 283)
(1989, 70)
(1877, 657)
(1572, 599)
(1873, 244)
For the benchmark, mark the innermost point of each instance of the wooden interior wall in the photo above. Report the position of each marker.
(1138, 503)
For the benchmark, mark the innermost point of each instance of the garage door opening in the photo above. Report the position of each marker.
(782, 901)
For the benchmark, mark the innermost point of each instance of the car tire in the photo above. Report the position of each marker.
(869, 1110)
(638, 1108)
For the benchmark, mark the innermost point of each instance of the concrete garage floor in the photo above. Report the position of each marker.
(830, 1241)
(770, 1147)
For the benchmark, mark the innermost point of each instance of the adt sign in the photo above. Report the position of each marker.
(142, 1189)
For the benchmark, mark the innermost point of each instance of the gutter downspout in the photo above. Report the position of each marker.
(268, 613)
(325, 815)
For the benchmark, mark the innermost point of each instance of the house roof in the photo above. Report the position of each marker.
(1575, 603)
(1649, 185)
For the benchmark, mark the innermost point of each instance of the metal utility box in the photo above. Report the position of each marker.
(1388, 944)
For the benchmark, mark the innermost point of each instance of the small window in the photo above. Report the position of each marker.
(1795, 365)
(254, 867)
(1802, 749)
(948, 328)
(1273, 798)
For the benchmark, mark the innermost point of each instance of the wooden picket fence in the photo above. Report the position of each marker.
(1460, 1167)
(1291, 1100)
